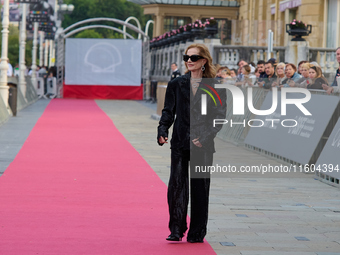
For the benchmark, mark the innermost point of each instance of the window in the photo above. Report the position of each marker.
(292, 14)
(332, 26)
(171, 23)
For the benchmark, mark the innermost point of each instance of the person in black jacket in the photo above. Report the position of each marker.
(271, 76)
(175, 72)
(192, 140)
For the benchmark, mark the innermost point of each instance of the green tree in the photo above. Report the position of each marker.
(13, 46)
(118, 9)
(89, 34)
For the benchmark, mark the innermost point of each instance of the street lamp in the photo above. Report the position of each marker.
(64, 9)
(4, 54)
(70, 8)
(67, 8)
(22, 50)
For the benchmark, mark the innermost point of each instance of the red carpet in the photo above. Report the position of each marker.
(78, 187)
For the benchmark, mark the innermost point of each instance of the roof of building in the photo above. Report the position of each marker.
(224, 3)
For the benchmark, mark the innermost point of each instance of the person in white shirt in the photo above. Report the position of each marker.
(10, 69)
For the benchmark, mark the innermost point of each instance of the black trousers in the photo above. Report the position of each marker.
(178, 192)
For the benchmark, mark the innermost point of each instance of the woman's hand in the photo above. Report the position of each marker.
(291, 84)
(197, 143)
(325, 87)
(162, 140)
(274, 84)
(328, 89)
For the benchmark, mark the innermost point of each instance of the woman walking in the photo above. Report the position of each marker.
(192, 140)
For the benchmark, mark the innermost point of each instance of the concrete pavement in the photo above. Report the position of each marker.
(15, 131)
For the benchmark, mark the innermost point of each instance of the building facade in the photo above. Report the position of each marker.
(246, 22)
(257, 16)
(171, 14)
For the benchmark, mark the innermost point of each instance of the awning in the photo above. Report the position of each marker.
(189, 2)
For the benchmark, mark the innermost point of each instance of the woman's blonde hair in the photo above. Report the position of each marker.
(306, 65)
(210, 71)
(225, 70)
(279, 65)
(247, 69)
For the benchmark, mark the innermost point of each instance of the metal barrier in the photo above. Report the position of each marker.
(327, 178)
(31, 94)
(40, 87)
(51, 87)
(21, 101)
(238, 133)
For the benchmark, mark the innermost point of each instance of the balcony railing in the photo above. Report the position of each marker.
(325, 58)
(228, 55)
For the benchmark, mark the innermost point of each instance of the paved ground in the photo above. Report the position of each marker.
(249, 214)
(15, 131)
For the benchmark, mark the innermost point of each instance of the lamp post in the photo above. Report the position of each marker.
(51, 53)
(34, 56)
(46, 53)
(22, 49)
(41, 48)
(62, 9)
(4, 54)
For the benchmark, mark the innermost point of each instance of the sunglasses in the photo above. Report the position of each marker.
(193, 58)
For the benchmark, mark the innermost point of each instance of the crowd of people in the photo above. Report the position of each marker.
(41, 71)
(272, 74)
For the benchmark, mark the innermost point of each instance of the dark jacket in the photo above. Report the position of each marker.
(334, 83)
(317, 84)
(269, 81)
(183, 109)
(175, 74)
(262, 77)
